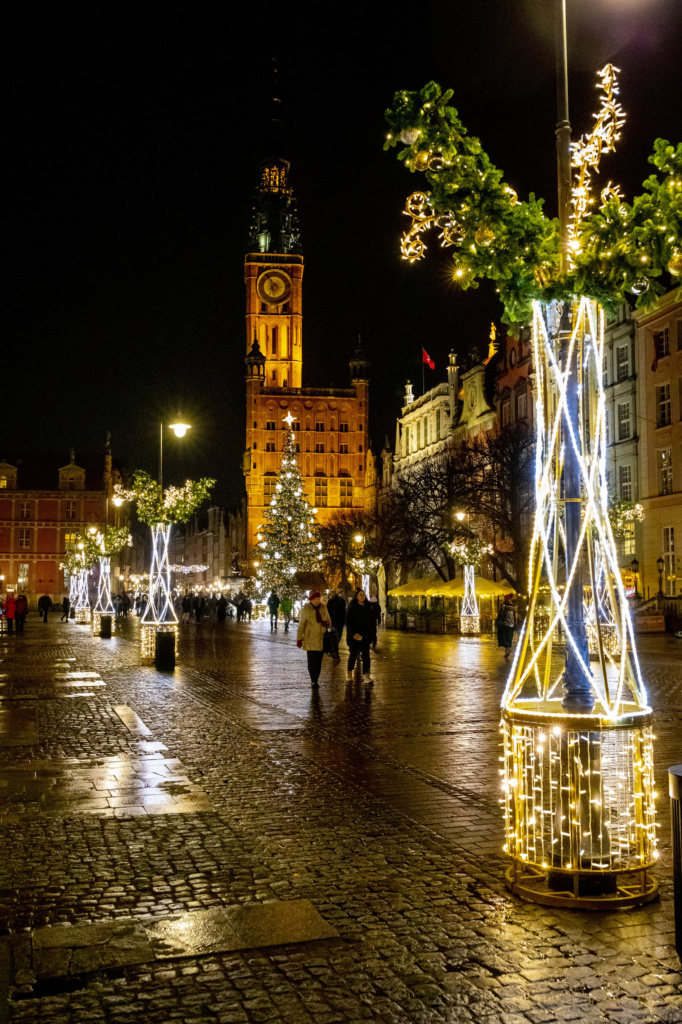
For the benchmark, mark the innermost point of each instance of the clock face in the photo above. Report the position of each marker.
(274, 287)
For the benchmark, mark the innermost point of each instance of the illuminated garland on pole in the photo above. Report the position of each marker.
(617, 253)
(160, 510)
(468, 554)
(110, 543)
(578, 771)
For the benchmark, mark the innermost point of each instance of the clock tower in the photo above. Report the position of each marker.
(329, 424)
(273, 272)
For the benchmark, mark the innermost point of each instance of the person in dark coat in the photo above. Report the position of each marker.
(273, 605)
(21, 613)
(506, 624)
(360, 632)
(221, 608)
(66, 608)
(44, 606)
(337, 612)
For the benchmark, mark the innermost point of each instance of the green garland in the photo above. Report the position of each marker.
(624, 248)
(175, 505)
(469, 551)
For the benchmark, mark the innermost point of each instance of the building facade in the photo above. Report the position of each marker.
(42, 508)
(330, 425)
(658, 343)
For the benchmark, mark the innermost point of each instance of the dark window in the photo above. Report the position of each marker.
(319, 447)
(663, 405)
(343, 427)
(319, 426)
(270, 446)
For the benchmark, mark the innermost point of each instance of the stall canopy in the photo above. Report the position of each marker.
(483, 588)
(415, 588)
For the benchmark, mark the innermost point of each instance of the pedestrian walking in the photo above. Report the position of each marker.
(273, 605)
(312, 626)
(337, 612)
(21, 612)
(44, 606)
(221, 608)
(360, 633)
(506, 624)
(10, 612)
(186, 607)
(285, 606)
(66, 608)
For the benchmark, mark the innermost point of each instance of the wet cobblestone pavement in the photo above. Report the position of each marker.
(225, 845)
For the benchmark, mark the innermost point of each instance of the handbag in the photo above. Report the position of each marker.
(330, 642)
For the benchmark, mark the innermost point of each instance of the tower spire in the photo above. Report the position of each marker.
(275, 226)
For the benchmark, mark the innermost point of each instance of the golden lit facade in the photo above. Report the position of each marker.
(330, 425)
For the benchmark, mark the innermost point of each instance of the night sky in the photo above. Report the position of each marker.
(133, 141)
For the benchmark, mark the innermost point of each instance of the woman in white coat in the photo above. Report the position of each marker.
(312, 625)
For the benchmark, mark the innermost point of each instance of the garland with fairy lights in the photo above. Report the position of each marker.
(468, 552)
(174, 505)
(615, 253)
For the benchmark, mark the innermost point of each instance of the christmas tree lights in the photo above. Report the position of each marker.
(288, 539)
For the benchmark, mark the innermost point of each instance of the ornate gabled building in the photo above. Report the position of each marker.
(459, 407)
(330, 424)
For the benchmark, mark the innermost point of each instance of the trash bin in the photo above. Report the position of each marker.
(105, 627)
(164, 656)
(675, 789)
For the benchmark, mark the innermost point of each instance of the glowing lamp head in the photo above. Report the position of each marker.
(180, 429)
(358, 538)
(118, 501)
(459, 516)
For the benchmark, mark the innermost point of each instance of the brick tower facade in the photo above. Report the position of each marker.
(331, 425)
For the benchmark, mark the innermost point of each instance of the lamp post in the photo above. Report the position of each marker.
(634, 565)
(179, 429)
(660, 565)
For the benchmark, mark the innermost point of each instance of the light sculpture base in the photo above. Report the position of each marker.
(470, 624)
(83, 616)
(149, 632)
(579, 807)
(97, 621)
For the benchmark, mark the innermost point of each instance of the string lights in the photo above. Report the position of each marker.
(578, 787)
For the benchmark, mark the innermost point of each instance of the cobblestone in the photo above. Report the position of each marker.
(379, 806)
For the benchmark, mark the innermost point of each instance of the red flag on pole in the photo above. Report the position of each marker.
(426, 358)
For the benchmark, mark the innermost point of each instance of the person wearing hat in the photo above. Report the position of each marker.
(312, 625)
(506, 624)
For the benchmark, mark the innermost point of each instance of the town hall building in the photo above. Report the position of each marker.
(330, 424)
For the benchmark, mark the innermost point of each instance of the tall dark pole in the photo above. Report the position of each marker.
(578, 692)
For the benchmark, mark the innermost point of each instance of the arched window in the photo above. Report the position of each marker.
(284, 342)
(3, 483)
(273, 342)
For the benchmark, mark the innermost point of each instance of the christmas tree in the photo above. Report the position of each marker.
(288, 538)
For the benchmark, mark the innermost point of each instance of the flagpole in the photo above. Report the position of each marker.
(423, 386)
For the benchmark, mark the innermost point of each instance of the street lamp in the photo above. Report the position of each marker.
(179, 429)
(634, 565)
(660, 565)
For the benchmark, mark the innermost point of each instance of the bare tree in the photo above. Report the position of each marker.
(488, 476)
